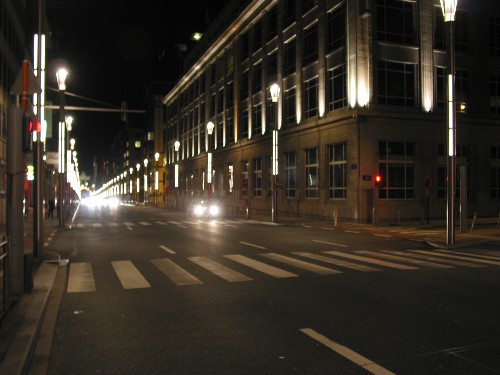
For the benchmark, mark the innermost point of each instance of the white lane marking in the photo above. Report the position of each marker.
(128, 224)
(403, 259)
(381, 235)
(81, 278)
(337, 262)
(178, 224)
(253, 245)
(230, 225)
(129, 275)
(220, 270)
(129, 228)
(347, 353)
(97, 225)
(326, 228)
(261, 267)
(112, 224)
(330, 243)
(301, 264)
(351, 231)
(471, 254)
(438, 259)
(145, 223)
(175, 273)
(370, 260)
(160, 222)
(475, 260)
(170, 251)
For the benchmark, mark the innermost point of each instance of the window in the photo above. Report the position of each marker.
(272, 67)
(257, 77)
(495, 173)
(229, 127)
(257, 36)
(289, 56)
(257, 120)
(336, 28)
(312, 173)
(220, 131)
(465, 156)
(290, 13)
(337, 161)
(291, 174)
(461, 89)
(495, 94)
(395, 21)
(461, 33)
(244, 178)
(311, 44)
(311, 98)
(243, 133)
(244, 85)
(290, 111)
(257, 177)
(244, 48)
(272, 23)
(396, 84)
(494, 36)
(337, 88)
(307, 5)
(397, 170)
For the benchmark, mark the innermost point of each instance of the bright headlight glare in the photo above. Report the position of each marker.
(198, 210)
(214, 210)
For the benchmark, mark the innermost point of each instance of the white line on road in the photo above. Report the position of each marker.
(347, 353)
(301, 264)
(129, 228)
(252, 245)
(129, 275)
(351, 231)
(370, 260)
(261, 267)
(145, 223)
(175, 273)
(381, 235)
(218, 269)
(81, 278)
(330, 243)
(170, 251)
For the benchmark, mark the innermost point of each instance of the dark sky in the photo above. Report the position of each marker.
(112, 49)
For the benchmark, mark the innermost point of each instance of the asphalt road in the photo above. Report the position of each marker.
(152, 292)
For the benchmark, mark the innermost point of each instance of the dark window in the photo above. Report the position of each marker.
(396, 84)
(397, 170)
(290, 58)
(311, 44)
(461, 33)
(337, 162)
(257, 120)
(337, 88)
(244, 85)
(257, 78)
(290, 13)
(336, 28)
(494, 35)
(272, 23)
(312, 173)
(291, 174)
(395, 21)
(311, 98)
(257, 177)
(290, 108)
(307, 5)
(495, 173)
(272, 67)
(243, 125)
(495, 94)
(244, 48)
(257, 36)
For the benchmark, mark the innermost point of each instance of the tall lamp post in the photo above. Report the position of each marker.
(157, 156)
(137, 183)
(146, 187)
(449, 8)
(210, 130)
(131, 184)
(61, 83)
(275, 94)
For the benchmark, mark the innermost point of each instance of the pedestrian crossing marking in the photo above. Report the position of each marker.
(128, 224)
(179, 224)
(175, 273)
(301, 264)
(476, 260)
(433, 258)
(261, 267)
(370, 260)
(472, 255)
(403, 259)
(81, 278)
(331, 243)
(97, 225)
(129, 275)
(112, 224)
(160, 222)
(144, 223)
(220, 270)
(170, 251)
(338, 262)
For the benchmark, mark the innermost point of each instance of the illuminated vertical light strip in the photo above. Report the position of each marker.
(209, 168)
(451, 117)
(156, 180)
(138, 184)
(275, 152)
(39, 55)
(176, 178)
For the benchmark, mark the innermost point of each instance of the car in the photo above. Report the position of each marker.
(205, 209)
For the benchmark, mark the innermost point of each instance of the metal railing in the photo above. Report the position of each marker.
(3, 277)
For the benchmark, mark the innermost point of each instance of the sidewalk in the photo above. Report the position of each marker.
(20, 329)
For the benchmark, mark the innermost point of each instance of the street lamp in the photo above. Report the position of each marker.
(177, 145)
(138, 183)
(449, 8)
(61, 83)
(275, 94)
(210, 130)
(131, 184)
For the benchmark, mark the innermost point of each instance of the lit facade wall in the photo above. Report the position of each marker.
(360, 95)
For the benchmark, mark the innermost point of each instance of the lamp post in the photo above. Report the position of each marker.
(210, 130)
(275, 94)
(61, 83)
(449, 7)
(157, 156)
(131, 184)
(177, 145)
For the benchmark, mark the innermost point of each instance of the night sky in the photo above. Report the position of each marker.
(113, 49)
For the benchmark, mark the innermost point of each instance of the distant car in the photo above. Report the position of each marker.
(205, 209)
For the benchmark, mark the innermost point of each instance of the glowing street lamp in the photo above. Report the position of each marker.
(449, 8)
(177, 145)
(61, 83)
(157, 156)
(275, 94)
(210, 130)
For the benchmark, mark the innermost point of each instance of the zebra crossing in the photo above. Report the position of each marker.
(236, 268)
(131, 224)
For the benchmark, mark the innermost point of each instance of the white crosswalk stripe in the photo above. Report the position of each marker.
(144, 223)
(81, 275)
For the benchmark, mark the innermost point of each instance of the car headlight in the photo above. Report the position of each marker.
(213, 210)
(198, 210)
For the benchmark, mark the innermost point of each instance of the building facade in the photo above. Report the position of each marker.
(363, 93)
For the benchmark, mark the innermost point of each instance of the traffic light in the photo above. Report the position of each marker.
(378, 179)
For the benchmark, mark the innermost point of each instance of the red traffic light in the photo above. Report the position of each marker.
(378, 179)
